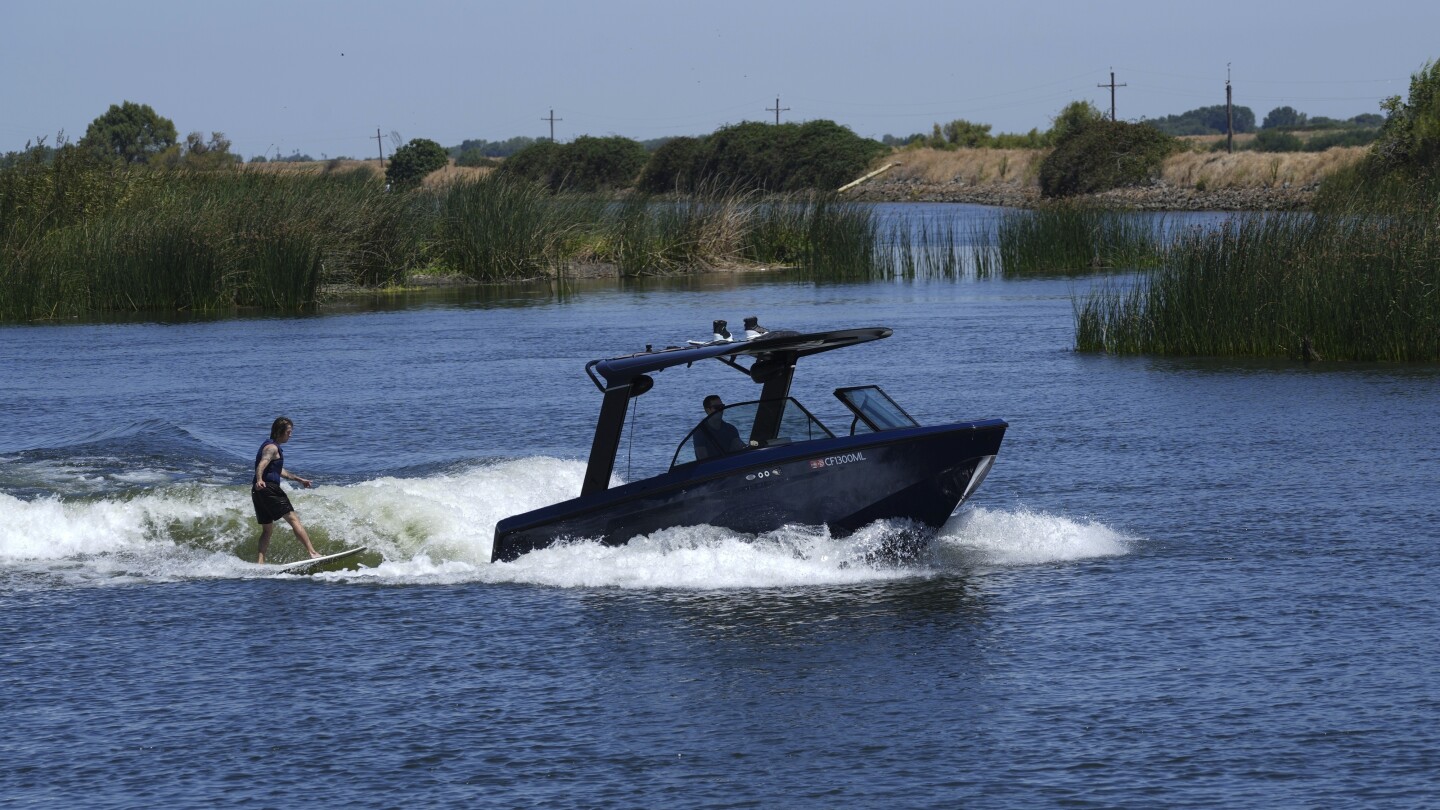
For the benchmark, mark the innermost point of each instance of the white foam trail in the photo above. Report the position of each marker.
(439, 529)
(989, 537)
(52, 529)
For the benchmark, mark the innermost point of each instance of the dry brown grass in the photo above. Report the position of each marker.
(1189, 169)
(451, 173)
(1016, 167)
(1202, 143)
(1211, 170)
(440, 177)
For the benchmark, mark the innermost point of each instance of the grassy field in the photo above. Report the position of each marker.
(442, 177)
(1200, 169)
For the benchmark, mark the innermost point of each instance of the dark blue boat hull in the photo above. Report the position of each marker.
(920, 473)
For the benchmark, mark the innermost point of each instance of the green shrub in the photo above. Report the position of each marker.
(535, 162)
(585, 164)
(671, 167)
(411, 162)
(789, 157)
(1402, 167)
(1101, 155)
(598, 164)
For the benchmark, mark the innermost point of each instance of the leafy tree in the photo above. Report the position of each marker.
(1072, 118)
(1368, 120)
(1402, 168)
(413, 161)
(1034, 139)
(129, 132)
(197, 153)
(908, 140)
(1286, 116)
(1206, 121)
(1410, 137)
(494, 149)
(967, 134)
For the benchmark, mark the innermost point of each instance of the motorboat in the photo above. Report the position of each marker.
(756, 466)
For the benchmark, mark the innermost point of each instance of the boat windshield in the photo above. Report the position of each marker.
(733, 431)
(874, 410)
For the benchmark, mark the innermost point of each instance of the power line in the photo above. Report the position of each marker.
(777, 109)
(1112, 85)
(552, 119)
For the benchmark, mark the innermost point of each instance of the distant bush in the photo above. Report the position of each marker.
(964, 133)
(1274, 140)
(129, 133)
(1206, 121)
(748, 156)
(1284, 117)
(475, 158)
(671, 165)
(600, 164)
(1034, 139)
(534, 162)
(584, 164)
(1072, 118)
(411, 162)
(789, 157)
(492, 149)
(1102, 155)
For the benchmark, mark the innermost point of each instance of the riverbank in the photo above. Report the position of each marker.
(1189, 181)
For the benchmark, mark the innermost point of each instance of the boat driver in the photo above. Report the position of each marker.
(716, 437)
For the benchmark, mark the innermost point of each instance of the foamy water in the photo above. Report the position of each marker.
(438, 529)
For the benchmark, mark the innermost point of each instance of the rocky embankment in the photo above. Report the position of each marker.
(1158, 197)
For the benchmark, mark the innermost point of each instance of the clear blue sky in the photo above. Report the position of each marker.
(320, 77)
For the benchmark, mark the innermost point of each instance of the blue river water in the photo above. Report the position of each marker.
(1185, 583)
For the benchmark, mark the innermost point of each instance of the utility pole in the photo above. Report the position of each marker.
(1112, 85)
(552, 119)
(1229, 115)
(380, 143)
(777, 109)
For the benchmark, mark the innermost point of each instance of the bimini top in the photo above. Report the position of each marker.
(777, 345)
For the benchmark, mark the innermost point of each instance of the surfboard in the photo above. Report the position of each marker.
(311, 566)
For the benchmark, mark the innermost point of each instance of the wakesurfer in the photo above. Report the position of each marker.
(271, 502)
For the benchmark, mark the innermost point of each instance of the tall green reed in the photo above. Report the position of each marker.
(1349, 286)
(1069, 239)
(182, 241)
(499, 228)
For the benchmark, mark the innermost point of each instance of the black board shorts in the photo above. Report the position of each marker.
(271, 504)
